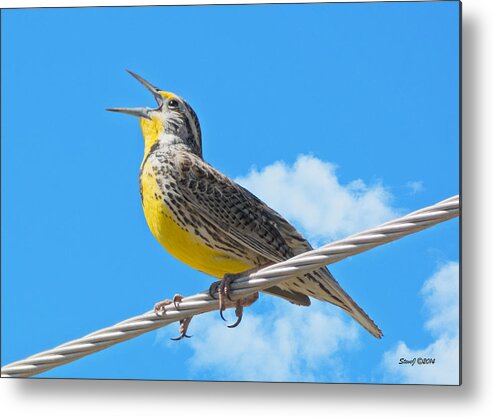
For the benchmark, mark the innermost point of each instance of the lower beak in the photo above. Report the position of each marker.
(133, 111)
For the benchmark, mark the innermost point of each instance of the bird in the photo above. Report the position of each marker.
(211, 223)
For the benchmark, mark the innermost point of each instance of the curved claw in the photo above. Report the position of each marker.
(221, 314)
(235, 324)
(180, 337)
(177, 299)
(183, 329)
(213, 289)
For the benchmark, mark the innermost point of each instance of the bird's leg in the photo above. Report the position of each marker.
(159, 307)
(223, 289)
(223, 292)
(184, 323)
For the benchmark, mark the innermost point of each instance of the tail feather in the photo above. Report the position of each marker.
(322, 285)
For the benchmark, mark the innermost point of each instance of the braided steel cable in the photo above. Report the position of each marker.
(241, 287)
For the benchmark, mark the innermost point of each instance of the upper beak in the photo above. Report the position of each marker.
(154, 90)
(141, 111)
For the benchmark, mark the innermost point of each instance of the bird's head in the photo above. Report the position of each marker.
(172, 123)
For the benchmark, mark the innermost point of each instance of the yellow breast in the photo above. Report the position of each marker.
(183, 244)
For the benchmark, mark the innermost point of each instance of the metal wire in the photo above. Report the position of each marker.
(257, 281)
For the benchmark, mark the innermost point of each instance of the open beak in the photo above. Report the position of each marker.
(140, 111)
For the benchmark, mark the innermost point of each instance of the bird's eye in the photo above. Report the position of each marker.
(172, 104)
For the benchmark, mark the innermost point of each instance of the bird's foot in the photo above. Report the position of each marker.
(243, 302)
(159, 307)
(183, 328)
(223, 289)
(184, 323)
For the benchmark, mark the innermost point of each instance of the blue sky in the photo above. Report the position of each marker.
(340, 116)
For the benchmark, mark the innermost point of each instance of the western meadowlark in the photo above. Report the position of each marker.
(211, 223)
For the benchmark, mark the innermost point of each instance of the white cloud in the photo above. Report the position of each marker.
(310, 194)
(441, 299)
(286, 343)
(441, 293)
(415, 186)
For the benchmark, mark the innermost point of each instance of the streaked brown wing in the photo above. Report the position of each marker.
(230, 208)
(240, 215)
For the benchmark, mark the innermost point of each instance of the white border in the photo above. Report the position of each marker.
(126, 398)
(85, 3)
